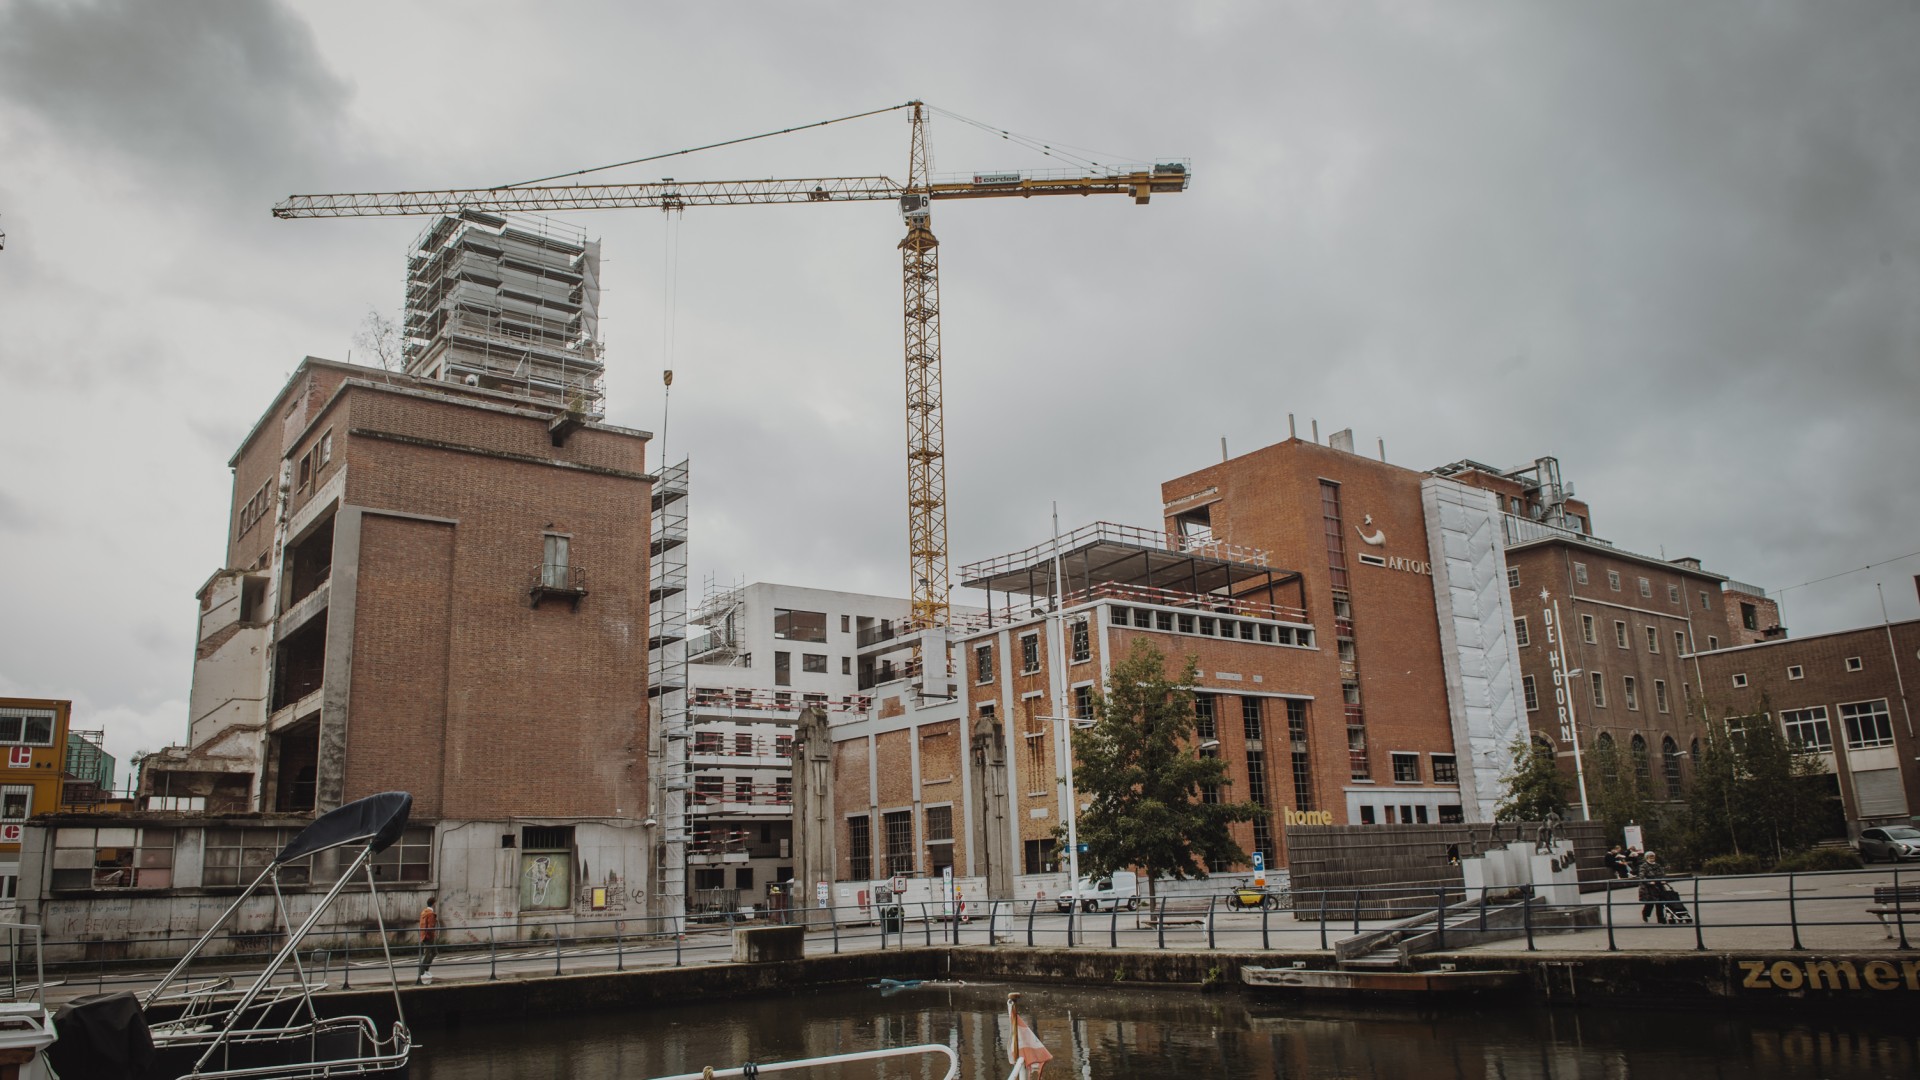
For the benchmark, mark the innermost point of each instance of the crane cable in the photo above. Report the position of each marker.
(1034, 143)
(709, 146)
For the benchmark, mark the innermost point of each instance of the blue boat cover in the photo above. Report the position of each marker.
(378, 819)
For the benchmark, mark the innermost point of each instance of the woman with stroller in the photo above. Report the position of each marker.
(1658, 899)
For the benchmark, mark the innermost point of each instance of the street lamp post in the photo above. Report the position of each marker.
(1073, 802)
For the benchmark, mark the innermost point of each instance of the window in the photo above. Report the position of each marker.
(1854, 664)
(1679, 643)
(846, 665)
(1796, 672)
(1642, 768)
(1302, 764)
(1083, 702)
(1335, 533)
(983, 663)
(899, 827)
(1520, 632)
(1531, 693)
(1513, 577)
(27, 727)
(1029, 653)
(1250, 717)
(939, 825)
(1704, 605)
(306, 470)
(1580, 572)
(1868, 724)
(1082, 643)
(1586, 630)
(411, 857)
(16, 802)
(707, 742)
(128, 858)
(1040, 856)
(1749, 616)
(1653, 639)
(708, 789)
(1613, 580)
(791, 625)
(1406, 768)
(326, 448)
(1599, 690)
(554, 559)
(1807, 729)
(1358, 766)
(743, 789)
(1620, 633)
(252, 512)
(1740, 679)
(1660, 694)
(1632, 694)
(743, 745)
(1673, 594)
(860, 847)
(1366, 815)
(782, 669)
(1203, 726)
(815, 663)
(1712, 643)
(1670, 764)
(1446, 769)
(846, 624)
(1646, 588)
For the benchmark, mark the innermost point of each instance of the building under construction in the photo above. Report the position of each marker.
(507, 304)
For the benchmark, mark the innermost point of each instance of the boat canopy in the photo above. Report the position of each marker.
(378, 819)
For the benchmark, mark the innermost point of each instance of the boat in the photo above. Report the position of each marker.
(261, 1028)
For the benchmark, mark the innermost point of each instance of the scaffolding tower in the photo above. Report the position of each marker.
(667, 688)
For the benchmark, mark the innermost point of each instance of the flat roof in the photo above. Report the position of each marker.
(1104, 552)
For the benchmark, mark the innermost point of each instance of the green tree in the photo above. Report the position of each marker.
(1752, 791)
(1534, 786)
(1143, 777)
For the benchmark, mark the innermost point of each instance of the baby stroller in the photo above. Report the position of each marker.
(1665, 901)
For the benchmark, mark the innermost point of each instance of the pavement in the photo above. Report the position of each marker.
(1826, 911)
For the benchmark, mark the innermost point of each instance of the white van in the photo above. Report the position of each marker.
(1121, 890)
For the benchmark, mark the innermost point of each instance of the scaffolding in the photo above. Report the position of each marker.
(667, 687)
(508, 304)
(722, 614)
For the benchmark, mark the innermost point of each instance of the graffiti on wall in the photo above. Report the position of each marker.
(546, 881)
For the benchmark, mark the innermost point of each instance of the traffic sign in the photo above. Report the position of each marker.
(898, 884)
(1259, 870)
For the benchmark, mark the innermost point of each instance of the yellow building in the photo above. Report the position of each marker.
(33, 736)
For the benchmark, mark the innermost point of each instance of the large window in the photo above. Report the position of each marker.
(1203, 726)
(1029, 653)
(1808, 729)
(411, 857)
(1660, 694)
(26, 727)
(783, 669)
(860, 847)
(1520, 632)
(1670, 760)
(1586, 630)
(1335, 533)
(1406, 768)
(939, 823)
(814, 663)
(123, 858)
(1446, 768)
(1082, 643)
(1083, 702)
(1599, 691)
(1530, 692)
(791, 625)
(1620, 633)
(1250, 717)
(1632, 693)
(1868, 724)
(899, 826)
(1302, 764)
(983, 662)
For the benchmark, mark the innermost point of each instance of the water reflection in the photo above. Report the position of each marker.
(1124, 1034)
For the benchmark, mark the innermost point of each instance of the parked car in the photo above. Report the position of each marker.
(1889, 842)
(1117, 891)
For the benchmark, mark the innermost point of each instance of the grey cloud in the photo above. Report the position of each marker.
(13, 515)
(210, 88)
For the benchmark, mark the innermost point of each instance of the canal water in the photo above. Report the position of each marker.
(1114, 1034)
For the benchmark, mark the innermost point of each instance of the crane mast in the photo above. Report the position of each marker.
(926, 438)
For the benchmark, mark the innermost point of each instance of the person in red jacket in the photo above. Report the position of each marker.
(429, 933)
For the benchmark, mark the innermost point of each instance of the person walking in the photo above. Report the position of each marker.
(429, 933)
(1617, 862)
(1653, 889)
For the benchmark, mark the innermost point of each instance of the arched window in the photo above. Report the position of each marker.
(1642, 769)
(1693, 752)
(1609, 761)
(1543, 744)
(1670, 758)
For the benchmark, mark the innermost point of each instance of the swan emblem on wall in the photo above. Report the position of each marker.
(1377, 537)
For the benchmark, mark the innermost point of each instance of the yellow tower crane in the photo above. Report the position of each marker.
(920, 275)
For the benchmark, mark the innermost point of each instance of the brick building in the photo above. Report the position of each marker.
(439, 588)
(1842, 696)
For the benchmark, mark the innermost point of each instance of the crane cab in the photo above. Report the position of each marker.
(916, 206)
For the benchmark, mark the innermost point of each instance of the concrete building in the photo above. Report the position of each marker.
(33, 734)
(427, 586)
(1843, 696)
(509, 304)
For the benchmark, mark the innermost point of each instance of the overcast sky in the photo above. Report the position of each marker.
(1673, 244)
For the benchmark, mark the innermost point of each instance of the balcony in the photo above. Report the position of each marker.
(770, 704)
(559, 581)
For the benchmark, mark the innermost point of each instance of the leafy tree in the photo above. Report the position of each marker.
(1534, 786)
(1143, 777)
(1753, 792)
